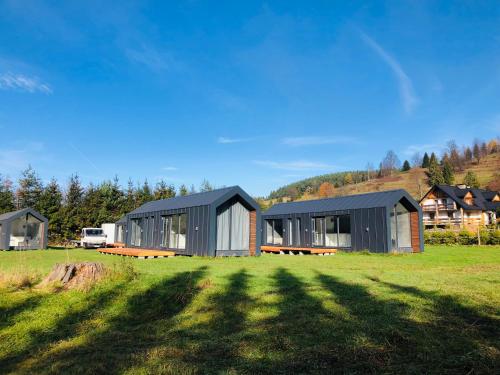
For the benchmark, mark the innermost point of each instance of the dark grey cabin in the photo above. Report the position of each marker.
(221, 222)
(382, 222)
(25, 229)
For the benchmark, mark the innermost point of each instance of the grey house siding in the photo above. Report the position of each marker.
(201, 225)
(369, 218)
(375, 239)
(197, 229)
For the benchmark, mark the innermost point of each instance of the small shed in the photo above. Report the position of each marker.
(389, 221)
(25, 229)
(221, 222)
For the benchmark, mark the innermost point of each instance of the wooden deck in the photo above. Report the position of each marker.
(297, 250)
(137, 253)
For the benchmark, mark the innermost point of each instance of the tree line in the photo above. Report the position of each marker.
(75, 206)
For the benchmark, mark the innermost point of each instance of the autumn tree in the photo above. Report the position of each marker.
(326, 190)
(348, 180)
(389, 163)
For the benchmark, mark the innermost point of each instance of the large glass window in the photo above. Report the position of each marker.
(331, 237)
(136, 232)
(173, 231)
(344, 226)
(274, 230)
(289, 232)
(318, 224)
(26, 231)
(332, 231)
(400, 227)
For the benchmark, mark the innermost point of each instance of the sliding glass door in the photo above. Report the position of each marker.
(331, 231)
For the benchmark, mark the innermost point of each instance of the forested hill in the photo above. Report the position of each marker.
(311, 185)
(477, 166)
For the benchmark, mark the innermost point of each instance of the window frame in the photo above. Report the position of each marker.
(166, 238)
(324, 219)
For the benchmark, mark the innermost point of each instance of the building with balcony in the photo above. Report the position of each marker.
(460, 207)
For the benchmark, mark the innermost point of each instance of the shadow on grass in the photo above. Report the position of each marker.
(333, 327)
(9, 314)
(216, 346)
(384, 337)
(126, 338)
(64, 328)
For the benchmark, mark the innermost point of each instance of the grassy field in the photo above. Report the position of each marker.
(436, 312)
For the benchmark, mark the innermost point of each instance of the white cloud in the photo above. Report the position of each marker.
(20, 82)
(299, 165)
(308, 141)
(412, 149)
(405, 84)
(226, 140)
(169, 168)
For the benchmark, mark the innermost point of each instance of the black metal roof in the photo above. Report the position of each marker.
(482, 198)
(15, 214)
(368, 200)
(122, 220)
(193, 200)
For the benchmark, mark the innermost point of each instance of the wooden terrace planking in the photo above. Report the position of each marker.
(137, 253)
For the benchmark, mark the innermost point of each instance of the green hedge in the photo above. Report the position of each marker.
(464, 237)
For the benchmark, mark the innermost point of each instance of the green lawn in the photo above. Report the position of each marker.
(436, 312)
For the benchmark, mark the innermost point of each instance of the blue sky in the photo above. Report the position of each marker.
(251, 93)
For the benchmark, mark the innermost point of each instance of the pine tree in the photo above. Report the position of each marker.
(72, 209)
(206, 186)
(468, 154)
(433, 159)
(471, 180)
(435, 175)
(143, 194)
(448, 175)
(164, 191)
(425, 161)
(130, 196)
(50, 206)
(6, 195)
(30, 189)
(484, 149)
(406, 166)
(183, 190)
(192, 190)
(476, 152)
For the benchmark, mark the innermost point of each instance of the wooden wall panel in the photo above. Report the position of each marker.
(415, 232)
(253, 232)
